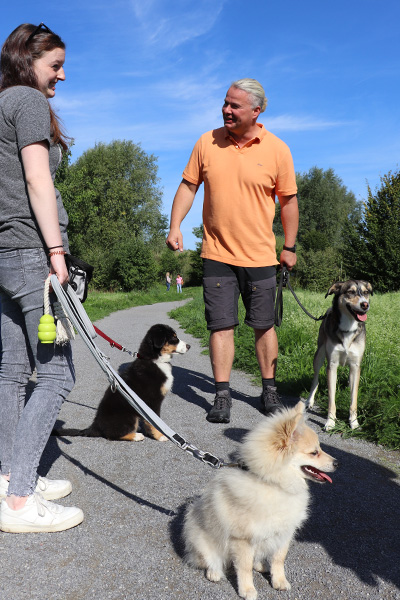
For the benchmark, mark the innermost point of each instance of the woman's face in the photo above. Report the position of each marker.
(48, 70)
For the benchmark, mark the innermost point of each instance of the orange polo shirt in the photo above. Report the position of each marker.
(240, 185)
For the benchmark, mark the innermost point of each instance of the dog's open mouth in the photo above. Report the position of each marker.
(316, 474)
(359, 316)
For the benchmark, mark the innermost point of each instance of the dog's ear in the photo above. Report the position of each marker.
(290, 429)
(300, 407)
(334, 289)
(159, 340)
(158, 336)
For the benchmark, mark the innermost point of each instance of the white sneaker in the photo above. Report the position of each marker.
(49, 489)
(38, 515)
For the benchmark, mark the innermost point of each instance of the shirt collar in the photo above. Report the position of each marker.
(261, 134)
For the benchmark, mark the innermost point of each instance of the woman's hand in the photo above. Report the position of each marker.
(59, 268)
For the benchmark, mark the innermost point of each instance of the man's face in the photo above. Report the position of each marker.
(238, 114)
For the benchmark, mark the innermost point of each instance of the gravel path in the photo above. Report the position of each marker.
(134, 495)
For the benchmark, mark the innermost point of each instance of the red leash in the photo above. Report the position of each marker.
(112, 343)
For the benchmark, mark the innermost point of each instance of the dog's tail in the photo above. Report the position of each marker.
(91, 431)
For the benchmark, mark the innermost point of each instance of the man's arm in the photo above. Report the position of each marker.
(290, 223)
(182, 204)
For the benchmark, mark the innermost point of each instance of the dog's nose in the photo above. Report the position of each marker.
(364, 305)
(336, 464)
(187, 346)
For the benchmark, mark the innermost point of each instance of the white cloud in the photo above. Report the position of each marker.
(293, 123)
(170, 24)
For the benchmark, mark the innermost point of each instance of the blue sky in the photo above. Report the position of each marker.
(156, 72)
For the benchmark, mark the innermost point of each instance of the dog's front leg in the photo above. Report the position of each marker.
(243, 559)
(354, 382)
(331, 375)
(278, 577)
(318, 362)
(154, 433)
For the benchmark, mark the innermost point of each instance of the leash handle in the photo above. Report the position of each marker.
(283, 281)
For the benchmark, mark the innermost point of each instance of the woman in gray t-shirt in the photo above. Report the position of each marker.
(33, 243)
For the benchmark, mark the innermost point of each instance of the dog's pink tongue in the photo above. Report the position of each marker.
(362, 317)
(325, 476)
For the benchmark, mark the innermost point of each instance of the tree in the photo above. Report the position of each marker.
(372, 250)
(325, 207)
(113, 200)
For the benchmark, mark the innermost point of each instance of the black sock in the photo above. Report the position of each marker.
(268, 382)
(221, 385)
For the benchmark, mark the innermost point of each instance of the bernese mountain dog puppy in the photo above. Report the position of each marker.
(150, 376)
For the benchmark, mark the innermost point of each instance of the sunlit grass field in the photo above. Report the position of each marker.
(379, 391)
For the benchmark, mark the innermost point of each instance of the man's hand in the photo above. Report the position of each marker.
(174, 240)
(288, 258)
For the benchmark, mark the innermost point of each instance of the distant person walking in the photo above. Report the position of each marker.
(168, 281)
(179, 283)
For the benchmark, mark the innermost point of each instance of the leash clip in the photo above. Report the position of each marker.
(285, 276)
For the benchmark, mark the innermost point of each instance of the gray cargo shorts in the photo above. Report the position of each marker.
(222, 285)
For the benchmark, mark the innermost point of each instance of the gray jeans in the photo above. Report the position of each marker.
(25, 427)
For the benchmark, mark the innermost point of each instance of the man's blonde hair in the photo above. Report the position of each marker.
(254, 89)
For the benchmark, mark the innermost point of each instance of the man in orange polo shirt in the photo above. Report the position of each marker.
(243, 167)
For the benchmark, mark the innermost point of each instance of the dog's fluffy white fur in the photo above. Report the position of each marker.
(248, 516)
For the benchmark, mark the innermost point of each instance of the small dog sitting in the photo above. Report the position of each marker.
(150, 376)
(341, 340)
(250, 514)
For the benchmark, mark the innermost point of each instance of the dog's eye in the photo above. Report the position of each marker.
(315, 453)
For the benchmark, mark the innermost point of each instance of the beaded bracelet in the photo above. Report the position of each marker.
(56, 252)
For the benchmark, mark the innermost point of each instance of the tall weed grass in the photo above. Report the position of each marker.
(379, 391)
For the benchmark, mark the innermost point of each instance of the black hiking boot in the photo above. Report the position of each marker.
(270, 401)
(221, 411)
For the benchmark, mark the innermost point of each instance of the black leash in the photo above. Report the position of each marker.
(284, 281)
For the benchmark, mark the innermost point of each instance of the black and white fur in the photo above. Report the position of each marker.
(341, 341)
(150, 376)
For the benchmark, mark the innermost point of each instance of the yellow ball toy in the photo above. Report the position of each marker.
(47, 330)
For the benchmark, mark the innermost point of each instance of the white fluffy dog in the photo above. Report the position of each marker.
(248, 515)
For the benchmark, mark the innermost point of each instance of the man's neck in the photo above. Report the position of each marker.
(250, 134)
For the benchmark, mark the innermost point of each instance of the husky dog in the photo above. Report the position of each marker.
(341, 340)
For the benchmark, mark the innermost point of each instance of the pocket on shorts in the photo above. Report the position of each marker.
(221, 296)
(12, 276)
(260, 302)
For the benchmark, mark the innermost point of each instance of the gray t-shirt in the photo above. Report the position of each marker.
(24, 120)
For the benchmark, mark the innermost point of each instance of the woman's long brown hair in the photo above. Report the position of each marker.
(16, 66)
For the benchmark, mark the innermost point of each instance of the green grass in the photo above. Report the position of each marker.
(379, 391)
(100, 304)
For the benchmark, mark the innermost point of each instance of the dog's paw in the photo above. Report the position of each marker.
(249, 593)
(309, 403)
(280, 583)
(354, 424)
(213, 575)
(139, 437)
(162, 438)
(329, 425)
